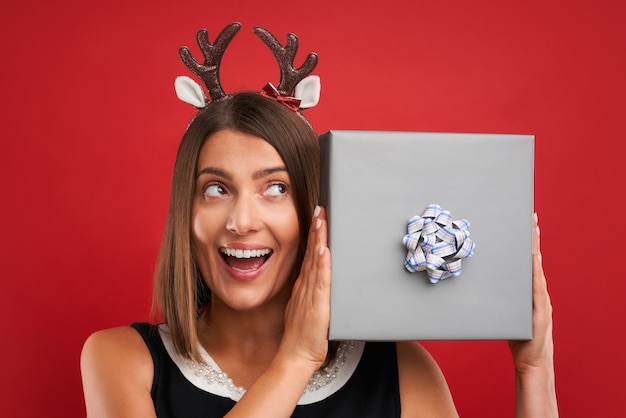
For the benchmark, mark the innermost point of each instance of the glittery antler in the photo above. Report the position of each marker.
(289, 76)
(209, 71)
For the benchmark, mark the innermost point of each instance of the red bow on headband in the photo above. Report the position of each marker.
(270, 92)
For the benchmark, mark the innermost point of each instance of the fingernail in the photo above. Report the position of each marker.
(316, 212)
(538, 231)
(318, 224)
(321, 251)
(536, 218)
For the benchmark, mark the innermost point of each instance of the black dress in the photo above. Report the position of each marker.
(371, 391)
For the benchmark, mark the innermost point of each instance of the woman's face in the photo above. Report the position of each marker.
(244, 220)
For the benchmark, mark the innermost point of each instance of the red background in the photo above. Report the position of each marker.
(90, 127)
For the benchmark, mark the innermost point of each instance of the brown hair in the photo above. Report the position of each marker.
(179, 287)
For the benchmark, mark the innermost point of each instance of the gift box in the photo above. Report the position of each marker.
(373, 183)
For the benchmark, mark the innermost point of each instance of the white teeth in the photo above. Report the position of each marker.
(237, 253)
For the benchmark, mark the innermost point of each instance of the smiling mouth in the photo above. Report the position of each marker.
(245, 261)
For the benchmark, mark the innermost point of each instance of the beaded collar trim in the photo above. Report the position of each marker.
(210, 378)
(320, 379)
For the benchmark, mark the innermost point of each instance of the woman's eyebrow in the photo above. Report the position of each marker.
(215, 171)
(267, 171)
(257, 175)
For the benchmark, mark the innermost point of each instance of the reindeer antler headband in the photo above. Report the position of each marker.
(293, 81)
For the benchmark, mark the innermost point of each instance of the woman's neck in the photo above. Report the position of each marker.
(242, 343)
(246, 334)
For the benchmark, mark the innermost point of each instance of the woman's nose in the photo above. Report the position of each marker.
(244, 216)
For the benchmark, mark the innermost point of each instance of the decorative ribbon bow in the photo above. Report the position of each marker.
(437, 244)
(270, 92)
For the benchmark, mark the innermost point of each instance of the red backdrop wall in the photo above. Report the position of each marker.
(90, 126)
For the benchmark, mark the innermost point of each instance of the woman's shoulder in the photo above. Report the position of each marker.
(423, 386)
(116, 366)
(112, 342)
(120, 348)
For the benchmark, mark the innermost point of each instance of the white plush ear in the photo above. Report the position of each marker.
(308, 91)
(189, 91)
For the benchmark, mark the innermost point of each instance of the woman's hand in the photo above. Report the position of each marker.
(534, 364)
(308, 312)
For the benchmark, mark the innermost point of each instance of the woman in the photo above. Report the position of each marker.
(243, 286)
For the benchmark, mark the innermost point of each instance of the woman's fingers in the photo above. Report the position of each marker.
(538, 351)
(320, 232)
(323, 267)
(309, 255)
(536, 234)
(541, 299)
(542, 307)
(307, 314)
(314, 275)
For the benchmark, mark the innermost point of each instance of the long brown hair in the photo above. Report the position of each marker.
(179, 287)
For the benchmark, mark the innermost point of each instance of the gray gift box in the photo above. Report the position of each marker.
(373, 182)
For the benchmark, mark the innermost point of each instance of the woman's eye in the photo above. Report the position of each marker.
(277, 189)
(214, 190)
